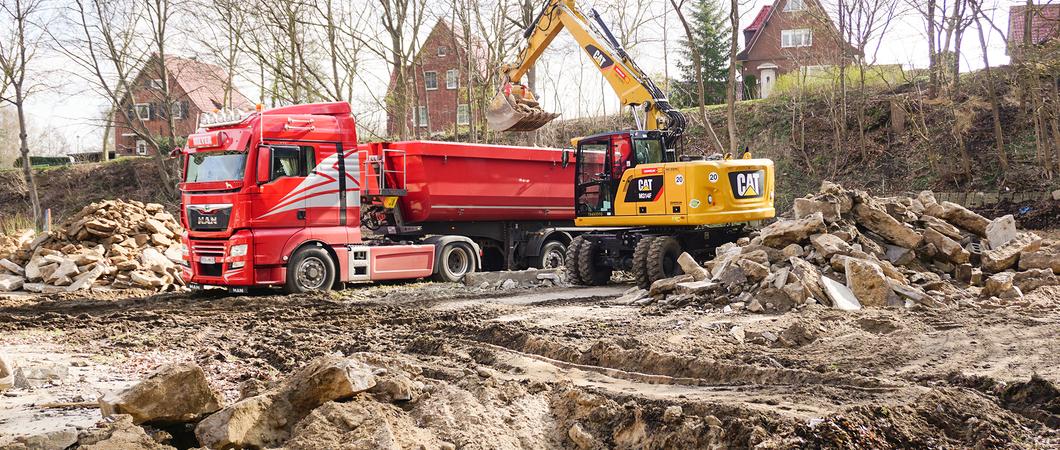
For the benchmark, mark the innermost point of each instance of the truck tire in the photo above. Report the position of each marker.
(662, 259)
(311, 269)
(589, 271)
(456, 260)
(552, 256)
(640, 262)
(570, 261)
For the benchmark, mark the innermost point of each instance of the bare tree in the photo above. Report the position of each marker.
(730, 90)
(18, 48)
(990, 86)
(103, 41)
(697, 63)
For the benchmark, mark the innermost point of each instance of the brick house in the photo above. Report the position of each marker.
(195, 87)
(439, 74)
(784, 36)
(1045, 25)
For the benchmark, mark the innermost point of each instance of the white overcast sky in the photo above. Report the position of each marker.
(73, 111)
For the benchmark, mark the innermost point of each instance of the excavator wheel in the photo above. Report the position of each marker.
(640, 262)
(662, 259)
(591, 273)
(570, 261)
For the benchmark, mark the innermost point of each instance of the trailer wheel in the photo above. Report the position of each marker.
(640, 262)
(570, 261)
(662, 259)
(456, 260)
(310, 270)
(592, 273)
(553, 254)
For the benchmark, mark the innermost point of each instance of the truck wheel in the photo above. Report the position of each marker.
(456, 260)
(590, 272)
(570, 261)
(662, 259)
(640, 262)
(552, 256)
(310, 270)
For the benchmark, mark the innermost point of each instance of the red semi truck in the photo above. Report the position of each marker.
(287, 197)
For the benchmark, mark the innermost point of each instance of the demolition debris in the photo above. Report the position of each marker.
(848, 250)
(110, 244)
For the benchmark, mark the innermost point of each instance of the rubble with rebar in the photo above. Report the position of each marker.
(847, 249)
(109, 244)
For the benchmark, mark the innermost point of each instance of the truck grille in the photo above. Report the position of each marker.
(215, 249)
(209, 217)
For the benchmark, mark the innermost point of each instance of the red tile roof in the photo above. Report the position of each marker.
(204, 84)
(1045, 23)
(760, 19)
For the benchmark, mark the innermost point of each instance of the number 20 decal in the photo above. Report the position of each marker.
(713, 177)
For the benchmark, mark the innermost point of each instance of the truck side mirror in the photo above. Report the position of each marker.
(264, 163)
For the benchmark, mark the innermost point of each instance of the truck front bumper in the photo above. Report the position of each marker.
(225, 263)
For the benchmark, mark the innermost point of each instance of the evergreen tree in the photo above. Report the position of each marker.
(711, 33)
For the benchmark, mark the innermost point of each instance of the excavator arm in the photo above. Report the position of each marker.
(515, 109)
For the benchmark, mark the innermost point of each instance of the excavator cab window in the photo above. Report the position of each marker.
(593, 179)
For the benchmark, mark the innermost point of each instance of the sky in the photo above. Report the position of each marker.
(73, 111)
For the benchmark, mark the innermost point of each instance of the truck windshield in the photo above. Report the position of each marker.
(216, 166)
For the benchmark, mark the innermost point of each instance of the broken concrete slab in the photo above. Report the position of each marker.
(1043, 258)
(784, 232)
(948, 248)
(829, 244)
(876, 219)
(964, 218)
(998, 284)
(1006, 256)
(805, 207)
(695, 287)
(867, 282)
(667, 285)
(12, 267)
(1001, 231)
(10, 283)
(841, 297)
(691, 267)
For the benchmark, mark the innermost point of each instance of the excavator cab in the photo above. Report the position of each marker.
(601, 162)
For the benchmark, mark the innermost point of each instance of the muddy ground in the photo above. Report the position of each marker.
(568, 368)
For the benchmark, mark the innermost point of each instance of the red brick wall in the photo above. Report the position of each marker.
(1045, 25)
(442, 102)
(125, 141)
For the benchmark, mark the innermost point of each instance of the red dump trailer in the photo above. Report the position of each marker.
(512, 201)
(287, 197)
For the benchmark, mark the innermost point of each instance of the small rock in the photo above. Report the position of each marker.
(738, 334)
(867, 282)
(950, 249)
(829, 244)
(667, 285)
(59, 439)
(784, 232)
(841, 296)
(509, 284)
(755, 306)
(998, 284)
(581, 438)
(12, 267)
(792, 250)
(9, 283)
(691, 267)
(672, 414)
(805, 207)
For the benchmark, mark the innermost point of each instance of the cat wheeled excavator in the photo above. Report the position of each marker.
(639, 205)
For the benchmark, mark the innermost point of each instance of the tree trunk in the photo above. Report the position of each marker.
(730, 94)
(107, 128)
(697, 63)
(933, 62)
(27, 165)
(999, 134)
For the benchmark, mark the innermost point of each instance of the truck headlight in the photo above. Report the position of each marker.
(238, 250)
(184, 250)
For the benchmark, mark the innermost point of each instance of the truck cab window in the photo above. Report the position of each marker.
(290, 161)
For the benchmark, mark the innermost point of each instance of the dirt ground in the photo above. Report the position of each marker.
(568, 368)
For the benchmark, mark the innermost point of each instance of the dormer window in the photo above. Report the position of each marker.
(795, 5)
(443, 50)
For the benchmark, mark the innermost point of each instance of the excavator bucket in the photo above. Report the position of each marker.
(515, 109)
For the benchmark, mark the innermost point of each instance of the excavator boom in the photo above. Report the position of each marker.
(515, 108)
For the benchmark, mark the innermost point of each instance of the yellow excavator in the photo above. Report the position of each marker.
(637, 206)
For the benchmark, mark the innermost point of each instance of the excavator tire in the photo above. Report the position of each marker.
(570, 261)
(662, 259)
(590, 273)
(640, 262)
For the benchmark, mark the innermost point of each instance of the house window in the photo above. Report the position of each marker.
(795, 5)
(443, 50)
(141, 147)
(463, 114)
(421, 118)
(177, 110)
(802, 37)
(143, 111)
(156, 83)
(430, 80)
(452, 79)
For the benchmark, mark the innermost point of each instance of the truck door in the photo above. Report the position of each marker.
(322, 200)
(281, 198)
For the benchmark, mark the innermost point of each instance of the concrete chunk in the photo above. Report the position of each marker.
(876, 219)
(1001, 231)
(9, 283)
(1006, 256)
(784, 232)
(174, 393)
(842, 298)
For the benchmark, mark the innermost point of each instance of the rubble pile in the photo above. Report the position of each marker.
(848, 250)
(112, 243)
